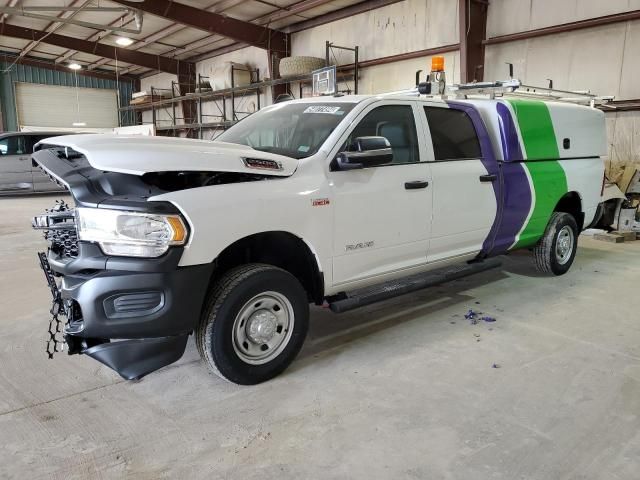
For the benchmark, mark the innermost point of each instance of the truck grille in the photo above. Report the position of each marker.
(63, 242)
(59, 226)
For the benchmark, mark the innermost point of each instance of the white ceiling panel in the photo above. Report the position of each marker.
(249, 11)
(184, 36)
(13, 42)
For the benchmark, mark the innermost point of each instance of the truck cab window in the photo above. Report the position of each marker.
(396, 124)
(453, 134)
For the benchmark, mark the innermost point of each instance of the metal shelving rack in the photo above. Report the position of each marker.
(329, 52)
(169, 104)
(234, 92)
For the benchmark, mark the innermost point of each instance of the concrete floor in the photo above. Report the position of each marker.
(403, 389)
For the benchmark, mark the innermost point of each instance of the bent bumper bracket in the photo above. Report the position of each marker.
(133, 359)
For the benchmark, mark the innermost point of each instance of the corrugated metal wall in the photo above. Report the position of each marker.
(600, 59)
(46, 76)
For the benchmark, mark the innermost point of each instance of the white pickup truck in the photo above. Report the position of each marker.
(307, 201)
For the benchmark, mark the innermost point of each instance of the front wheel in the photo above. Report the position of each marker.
(254, 324)
(556, 250)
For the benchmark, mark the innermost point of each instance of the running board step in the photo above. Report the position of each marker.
(377, 293)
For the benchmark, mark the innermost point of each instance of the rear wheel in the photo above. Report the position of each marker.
(556, 250)
(255, 321)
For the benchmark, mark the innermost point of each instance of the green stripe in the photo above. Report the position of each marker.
(548, 177)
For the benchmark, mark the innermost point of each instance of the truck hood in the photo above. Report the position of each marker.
(137, 155)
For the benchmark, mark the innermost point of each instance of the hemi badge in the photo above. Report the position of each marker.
(320, 202)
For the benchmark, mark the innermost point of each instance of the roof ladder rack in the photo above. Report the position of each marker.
(513, 88)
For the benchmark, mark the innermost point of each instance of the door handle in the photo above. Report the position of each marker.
(488, 178)
(24, 159)
(416, 184)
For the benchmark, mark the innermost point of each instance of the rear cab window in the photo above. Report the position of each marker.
(453, 135)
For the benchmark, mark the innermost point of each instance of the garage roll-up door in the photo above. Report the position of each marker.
(53, 106)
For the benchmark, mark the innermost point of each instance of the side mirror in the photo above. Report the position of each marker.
(365, 152)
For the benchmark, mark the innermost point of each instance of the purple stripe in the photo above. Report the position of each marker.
(489, 162)
(513, 193)
(516, 205)
(508, 135)
(516, 189)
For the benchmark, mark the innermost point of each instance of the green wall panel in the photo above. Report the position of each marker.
(47, 76)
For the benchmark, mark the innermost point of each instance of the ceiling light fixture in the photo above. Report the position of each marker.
(124, 41)
(74, 66)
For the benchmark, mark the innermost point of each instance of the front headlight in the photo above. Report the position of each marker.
(130, 234)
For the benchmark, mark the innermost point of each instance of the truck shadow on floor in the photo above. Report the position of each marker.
(521, 262)
(330, 331)
(587, 259)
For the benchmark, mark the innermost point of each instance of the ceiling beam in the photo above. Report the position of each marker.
(141, 43)
(14, 58)
(277, 15)
(156, 36)
(213, 23)
(210, 40)
(53, 26)
(122, 20)
(148, 60)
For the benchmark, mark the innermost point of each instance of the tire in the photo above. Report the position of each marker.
(295, 66)
(556, 250)
(254, 323)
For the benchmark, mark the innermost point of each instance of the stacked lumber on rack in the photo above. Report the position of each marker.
(145, 96)
(202, 87)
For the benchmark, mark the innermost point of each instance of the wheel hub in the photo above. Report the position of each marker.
(261, 326)
(564, 245)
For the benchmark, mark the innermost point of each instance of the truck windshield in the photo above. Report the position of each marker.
(294, 129)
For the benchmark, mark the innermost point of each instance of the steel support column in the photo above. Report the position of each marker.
(473, 28)
(274, 68)
(187, 84)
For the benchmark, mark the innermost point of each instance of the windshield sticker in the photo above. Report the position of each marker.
(324, 109)
(303, 148)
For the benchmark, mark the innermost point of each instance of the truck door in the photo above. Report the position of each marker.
(382, 214)
(465, 182)
(15, 165)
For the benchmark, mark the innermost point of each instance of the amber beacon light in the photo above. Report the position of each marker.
(437, 64)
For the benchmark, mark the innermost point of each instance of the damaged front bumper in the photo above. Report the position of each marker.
(132, 314)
